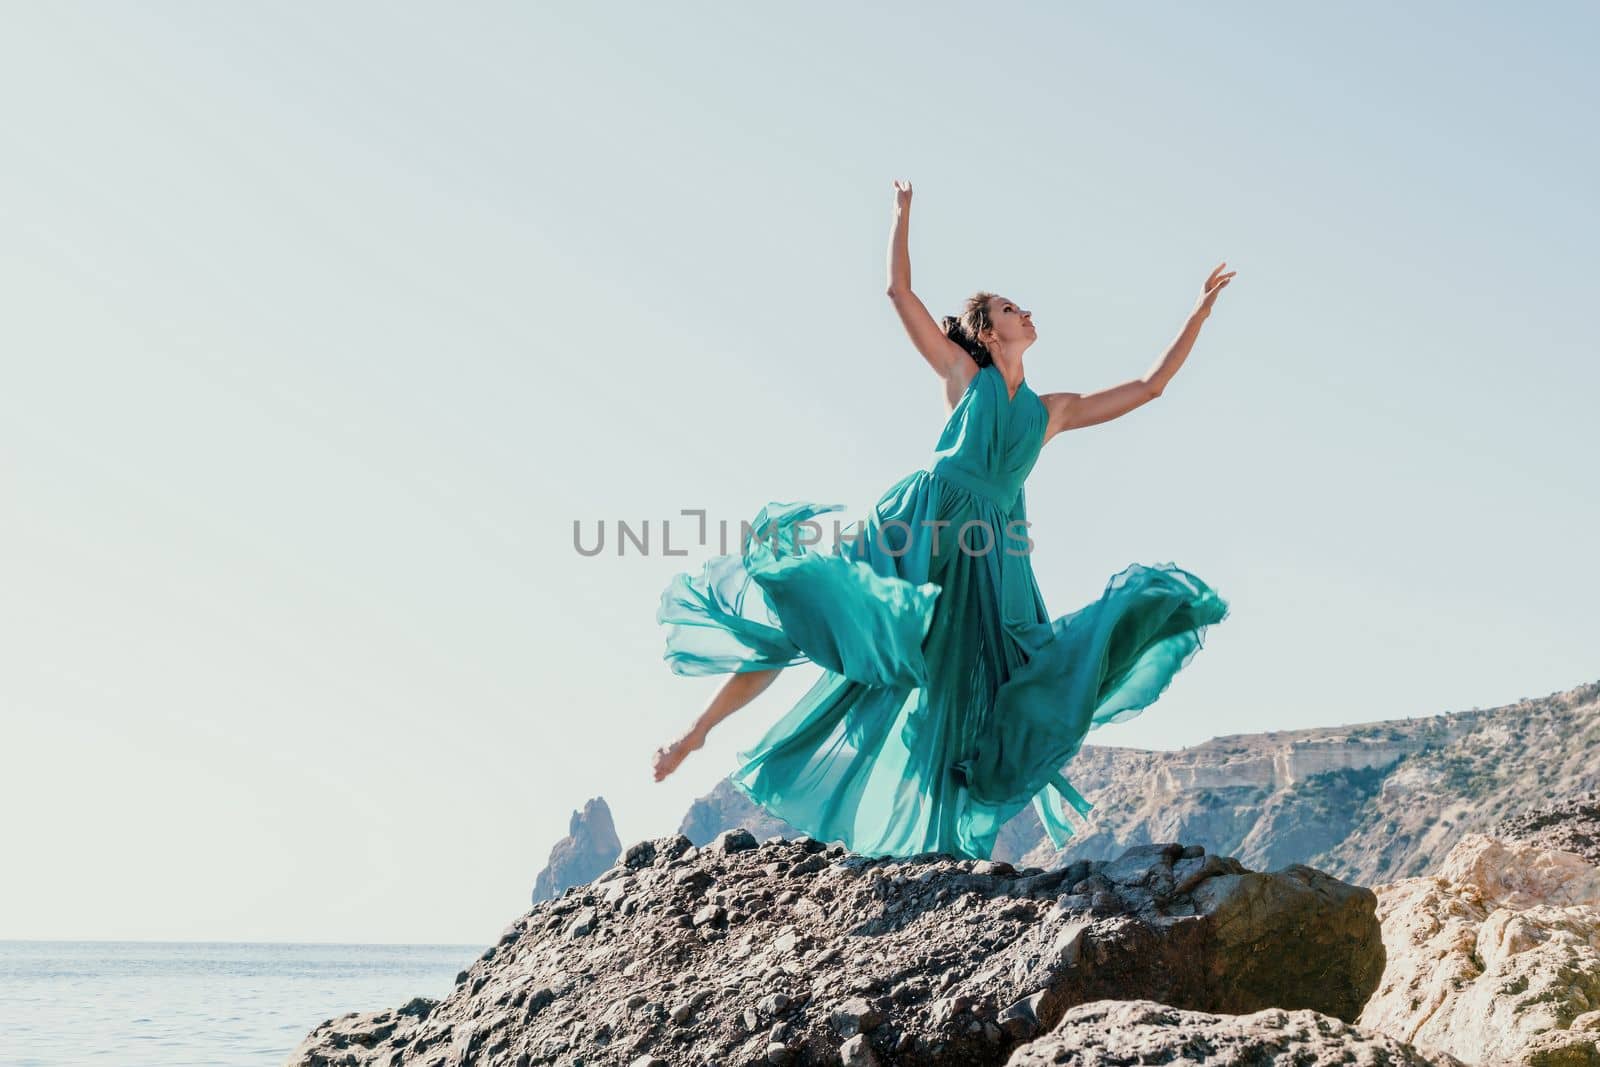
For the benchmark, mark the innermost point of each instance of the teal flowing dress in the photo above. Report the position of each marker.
(949, 697)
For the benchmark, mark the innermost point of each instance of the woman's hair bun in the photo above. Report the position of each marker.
(956, 330)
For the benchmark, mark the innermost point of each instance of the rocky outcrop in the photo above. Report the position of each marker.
(1495, 958)
(590, 847)
(794, 952)
(1109, 1033)
(1570, 826)
(1278, 761)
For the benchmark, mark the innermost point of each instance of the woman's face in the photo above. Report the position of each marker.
(1012, 325)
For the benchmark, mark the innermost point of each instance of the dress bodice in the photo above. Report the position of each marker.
(991, 440)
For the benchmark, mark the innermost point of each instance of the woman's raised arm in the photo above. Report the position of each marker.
(942, 354)
(1070, 411)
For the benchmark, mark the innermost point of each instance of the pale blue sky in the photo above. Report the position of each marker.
(324, 323)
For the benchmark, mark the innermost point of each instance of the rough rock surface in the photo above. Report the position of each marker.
(1571, 826)
(792, 952)
(1110, 1033)
(590, 847)
(1496, 958)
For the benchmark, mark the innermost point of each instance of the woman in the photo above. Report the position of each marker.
(949, 697)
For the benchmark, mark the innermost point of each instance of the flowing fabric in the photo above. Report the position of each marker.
(949, 698)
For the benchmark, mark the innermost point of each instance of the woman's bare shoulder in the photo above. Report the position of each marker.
(957, 379)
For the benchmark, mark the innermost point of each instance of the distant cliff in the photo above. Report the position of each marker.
(724, 808)
(1477, 769)
(589, 848)
(1367, 803)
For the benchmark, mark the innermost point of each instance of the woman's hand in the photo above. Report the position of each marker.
(902, 195)
(1214, 285)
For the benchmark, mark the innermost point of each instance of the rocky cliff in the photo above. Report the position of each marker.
(590, 847)
(1126, 947)
(795, 953)
(1493, 765)
(1495, 957)
(1368, 803)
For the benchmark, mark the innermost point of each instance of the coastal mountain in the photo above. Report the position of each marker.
(1368, 803)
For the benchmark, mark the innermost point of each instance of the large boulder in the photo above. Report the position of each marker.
(797, 952)
(1495, 958)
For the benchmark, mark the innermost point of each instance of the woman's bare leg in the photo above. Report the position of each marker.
(735, 693)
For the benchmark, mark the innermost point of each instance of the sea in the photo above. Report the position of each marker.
(206, 1004)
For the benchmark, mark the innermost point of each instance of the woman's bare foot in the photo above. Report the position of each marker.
(668, 758)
